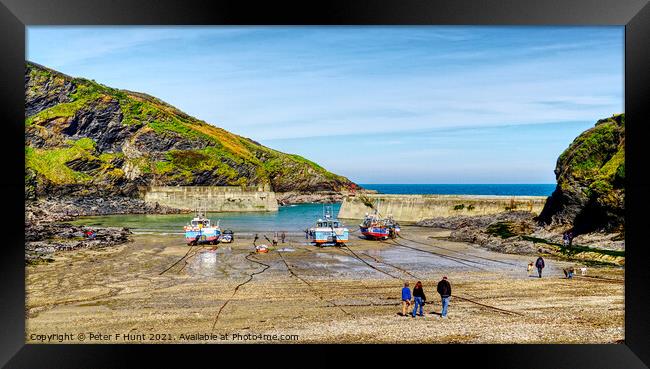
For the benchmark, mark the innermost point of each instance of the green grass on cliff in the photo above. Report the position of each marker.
(615, 167)
(291, 165)
(597, 157)
(182, 165)
(590, 151)
(51, 163)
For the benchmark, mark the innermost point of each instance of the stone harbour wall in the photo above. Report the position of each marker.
(212, 198)
(413, 208)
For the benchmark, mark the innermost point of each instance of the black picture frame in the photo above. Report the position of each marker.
(633, 14)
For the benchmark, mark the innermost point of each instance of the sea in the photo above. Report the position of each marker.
(293, 219)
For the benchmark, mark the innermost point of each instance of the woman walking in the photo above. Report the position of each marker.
(419, 297)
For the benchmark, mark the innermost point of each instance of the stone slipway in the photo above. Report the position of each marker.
(413, 208)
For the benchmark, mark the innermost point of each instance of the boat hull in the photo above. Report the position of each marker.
(338, 236)
(377, 233)
(202, 235)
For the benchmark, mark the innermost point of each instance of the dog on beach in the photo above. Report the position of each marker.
(583, 271)
(530, 267)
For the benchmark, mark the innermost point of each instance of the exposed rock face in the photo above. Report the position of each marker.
(590, 176)
(43, 239)
(518, 232)
(86, 139)
(497, 232)
(478, 221)
(43, 92)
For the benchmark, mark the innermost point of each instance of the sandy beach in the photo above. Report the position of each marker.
(298, 293)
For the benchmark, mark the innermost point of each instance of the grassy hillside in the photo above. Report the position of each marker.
(83, 138)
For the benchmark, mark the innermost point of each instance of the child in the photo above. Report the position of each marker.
(406, 298)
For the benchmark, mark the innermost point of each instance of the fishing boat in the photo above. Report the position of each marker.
(328, 230)
(201, 230)
(375, 227)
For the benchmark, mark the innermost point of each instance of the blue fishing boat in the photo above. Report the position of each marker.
(201, 230)
(328, 230)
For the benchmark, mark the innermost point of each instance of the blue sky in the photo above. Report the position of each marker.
(426, 104)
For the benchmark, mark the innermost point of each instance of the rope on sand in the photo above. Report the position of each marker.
(456, 296)
(178, 261)
(250, 278)
(458, 252)
(371, 266)
(313, 289)
(452, 258)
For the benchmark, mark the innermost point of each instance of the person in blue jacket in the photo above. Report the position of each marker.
(406, 298)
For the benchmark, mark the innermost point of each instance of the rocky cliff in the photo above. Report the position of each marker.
(86, 139)
(590, 174)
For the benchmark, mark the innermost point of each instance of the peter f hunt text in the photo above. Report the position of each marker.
(144, 337)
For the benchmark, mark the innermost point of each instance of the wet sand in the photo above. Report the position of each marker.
(299, 293)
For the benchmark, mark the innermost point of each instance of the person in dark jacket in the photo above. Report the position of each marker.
(406, 298)
(419, 297)
(444, 289)
(540, 265)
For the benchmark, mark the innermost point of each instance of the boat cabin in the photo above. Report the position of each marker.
(204, 223)
(328, 223)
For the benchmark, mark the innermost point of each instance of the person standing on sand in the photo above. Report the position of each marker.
(255, 239)
(419, 297)
(283, 235)
(406, 298)
(568, 272)
(540, 265)
(444, 289)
